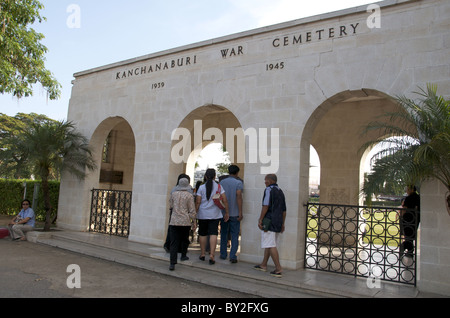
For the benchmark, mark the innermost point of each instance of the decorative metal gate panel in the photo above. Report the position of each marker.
(375, 242)
(110, 212)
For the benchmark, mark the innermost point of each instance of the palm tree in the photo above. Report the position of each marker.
(55, 147)
(423, 154)
(14, 163)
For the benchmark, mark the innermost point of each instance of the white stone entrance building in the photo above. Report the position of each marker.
(314, 81)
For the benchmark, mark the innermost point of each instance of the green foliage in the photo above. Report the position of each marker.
(423, 154)
(11, 192)
(222, 168)
(14, 162)
(55, 146)
(47, 148)
(22, 60)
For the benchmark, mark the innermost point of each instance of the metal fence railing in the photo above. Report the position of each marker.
(377, 242)
(110, 212)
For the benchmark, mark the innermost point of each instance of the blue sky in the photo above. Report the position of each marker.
(113, 30)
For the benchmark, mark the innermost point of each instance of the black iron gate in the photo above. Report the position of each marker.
(375, 242)
(110, 212)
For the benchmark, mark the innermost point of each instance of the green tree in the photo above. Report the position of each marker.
(22, 61)
(13, 162)
(424, 153)
(55, 146)
(222, 167)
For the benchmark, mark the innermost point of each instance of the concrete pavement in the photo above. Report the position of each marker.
(33, 271)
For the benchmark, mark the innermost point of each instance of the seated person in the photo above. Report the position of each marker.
(22, 222)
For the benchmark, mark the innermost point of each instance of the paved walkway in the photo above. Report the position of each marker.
(239, 277)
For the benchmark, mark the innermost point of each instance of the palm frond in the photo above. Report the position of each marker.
(422, 149)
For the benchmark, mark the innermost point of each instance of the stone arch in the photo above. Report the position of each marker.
(335, 131)
(75, 200)
(204, 122)
(202, 126)
(114, 148)
(122, 150)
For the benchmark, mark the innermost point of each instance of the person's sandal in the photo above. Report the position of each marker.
(259, 268)
(275, 274)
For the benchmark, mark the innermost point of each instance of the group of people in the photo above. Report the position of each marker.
(189, 210)
(187, 207)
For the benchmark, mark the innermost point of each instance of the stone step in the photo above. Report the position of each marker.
(222, 274)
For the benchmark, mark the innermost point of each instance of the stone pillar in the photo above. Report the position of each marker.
(434, 238)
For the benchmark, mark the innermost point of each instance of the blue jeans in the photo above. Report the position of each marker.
(233, 227)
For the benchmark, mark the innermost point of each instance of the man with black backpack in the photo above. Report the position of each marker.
(271, 222)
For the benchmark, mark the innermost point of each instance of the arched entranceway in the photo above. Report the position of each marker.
(114, 146)
(337, 137)
(343, 236)
(203, 126)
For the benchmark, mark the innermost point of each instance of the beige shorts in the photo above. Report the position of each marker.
(269, 239)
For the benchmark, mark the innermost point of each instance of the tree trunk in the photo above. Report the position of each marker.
(47, 206)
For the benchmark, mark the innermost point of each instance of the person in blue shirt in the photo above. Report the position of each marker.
(22, 222)
(273, 209)
(233, 187)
